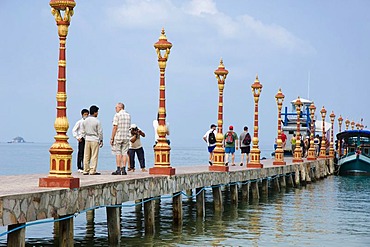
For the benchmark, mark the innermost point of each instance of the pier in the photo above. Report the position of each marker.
(23, 201)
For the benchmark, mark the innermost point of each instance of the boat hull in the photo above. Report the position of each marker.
(354, 164)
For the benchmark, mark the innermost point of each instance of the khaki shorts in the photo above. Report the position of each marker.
(120, 148)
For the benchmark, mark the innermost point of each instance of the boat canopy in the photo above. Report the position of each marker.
(304, 101)
(349, 133)
(318, 126)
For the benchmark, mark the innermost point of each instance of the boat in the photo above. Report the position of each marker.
(289, 125)
(353, 152)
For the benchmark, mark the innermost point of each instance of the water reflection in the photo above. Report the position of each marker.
(331, 212)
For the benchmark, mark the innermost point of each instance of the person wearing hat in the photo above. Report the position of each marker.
(136, 147)
(230, 143)
(210, 138)
(120, 138)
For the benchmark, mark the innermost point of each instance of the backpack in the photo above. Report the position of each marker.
(229, 138)
(211, 138)
(247, 139)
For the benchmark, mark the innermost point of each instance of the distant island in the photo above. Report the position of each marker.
(17, 139)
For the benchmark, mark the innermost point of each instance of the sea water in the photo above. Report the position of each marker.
(331, 212)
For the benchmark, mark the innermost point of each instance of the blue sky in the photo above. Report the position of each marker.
(110, 58)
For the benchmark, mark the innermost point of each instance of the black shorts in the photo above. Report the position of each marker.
(245, 150)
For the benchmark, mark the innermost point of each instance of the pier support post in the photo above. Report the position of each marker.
(255, 190)
(18, 237)
(217, 199)
(66, 231)
(177, 209)
(265, 187)
(138, 205)
(149, 216)
(201, 206)
(90, 224)
(276, 184)
(290, 181)
(282, 181)
(234, 194)
(303, 174)
(245, 191)
(189, 194)
(113, 223)
(296, 177)
(308, 173)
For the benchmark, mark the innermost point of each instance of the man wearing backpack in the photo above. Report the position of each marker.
(210, 138)
(230, 143)
(245, 145)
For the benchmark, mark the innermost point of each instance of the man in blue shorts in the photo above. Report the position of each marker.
(230, 143)
(210, 138)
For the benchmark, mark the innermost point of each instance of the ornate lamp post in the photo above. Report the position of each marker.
(279, 152)
(298, 149)
(353, 125)
(60, 174)
(340, 121)
(331, 148)
(323, 141)
(347, 122)
(254, 161)
(311, 155)
(219, 152)
(162, 149)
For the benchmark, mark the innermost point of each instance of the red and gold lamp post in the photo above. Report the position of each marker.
(323, 139)
(254, 161)
(162, 149)
(353, 125)
(347, 122)
(60, 174)
(298, 149)
(279, 152)
(331, 148)
(340, 121)
(311, 155)
(219, 152)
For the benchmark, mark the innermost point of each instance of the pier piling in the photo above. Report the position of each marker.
(113, 223)
(149, 216)
(16, 238)
(177, 209)
(201, 205)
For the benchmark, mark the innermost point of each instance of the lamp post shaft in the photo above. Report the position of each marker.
(162, 148)
(219, 152)
(255, 161)
(60, 173)
(279, 152)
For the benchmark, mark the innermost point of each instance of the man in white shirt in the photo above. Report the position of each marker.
(155, 126)
(76, 132)
(93, 134)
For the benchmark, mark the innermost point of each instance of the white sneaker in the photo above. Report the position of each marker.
(80, 170)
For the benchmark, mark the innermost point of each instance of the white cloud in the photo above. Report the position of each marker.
(203, 16)
(200, 7)
(142, 13)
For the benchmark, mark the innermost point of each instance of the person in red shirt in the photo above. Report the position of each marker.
(283, 139)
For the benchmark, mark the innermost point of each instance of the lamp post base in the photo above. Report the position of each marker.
(51, 182)
(162, 171)
(254, 165)
(297, 160)
(216, 168)
(279, 163)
